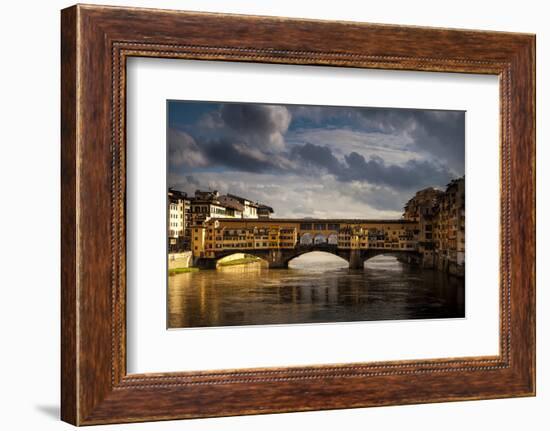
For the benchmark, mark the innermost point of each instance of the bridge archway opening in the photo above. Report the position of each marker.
(333, 239)
(384, 262)
(317, 261)
(240, 260)
(306, 239)
(319, 239)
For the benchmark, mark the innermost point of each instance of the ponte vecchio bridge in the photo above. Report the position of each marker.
(280, 240)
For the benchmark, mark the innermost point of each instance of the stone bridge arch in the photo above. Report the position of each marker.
(324, 247)
(357, 260)
(279, 258)
(212, 263)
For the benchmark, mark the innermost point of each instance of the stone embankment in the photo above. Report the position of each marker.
(179, 260)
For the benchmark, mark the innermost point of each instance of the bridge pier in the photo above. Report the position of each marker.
(205, 263)
(276, 259)
(355, 259)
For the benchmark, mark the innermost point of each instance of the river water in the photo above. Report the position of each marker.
(317, 288)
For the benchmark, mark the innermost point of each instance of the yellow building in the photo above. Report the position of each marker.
(432, 229)
(450, 228)
(223, 235)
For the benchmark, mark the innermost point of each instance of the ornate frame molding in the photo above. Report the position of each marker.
(96, 41)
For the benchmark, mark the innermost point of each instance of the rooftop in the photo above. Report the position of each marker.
(230, 202)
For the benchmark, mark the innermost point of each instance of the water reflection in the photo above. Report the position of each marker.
(314, 289)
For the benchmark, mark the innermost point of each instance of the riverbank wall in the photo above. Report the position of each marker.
(180, 260)
(449, 266)
(438, 262)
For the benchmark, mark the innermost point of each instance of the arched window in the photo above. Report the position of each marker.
(320, 239)
(306, 239)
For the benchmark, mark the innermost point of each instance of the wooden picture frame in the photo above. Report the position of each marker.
(95, 43)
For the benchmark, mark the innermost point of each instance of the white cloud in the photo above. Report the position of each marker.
(342, 162)
(298, 196)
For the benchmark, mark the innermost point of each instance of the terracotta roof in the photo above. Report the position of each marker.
(243, 200)
(230, 202)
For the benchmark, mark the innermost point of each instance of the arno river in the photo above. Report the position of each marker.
(317, 288)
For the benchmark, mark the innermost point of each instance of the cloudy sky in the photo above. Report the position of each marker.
(314, 161)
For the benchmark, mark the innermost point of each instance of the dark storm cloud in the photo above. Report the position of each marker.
(239, 156)
(442, 134)
(438, 133)
(257, 126)
(190, 179)
(250, 118)
(313, 160)
(245, 137)
(413, 175)
(238, 136)
(250, 138)
(317, 156)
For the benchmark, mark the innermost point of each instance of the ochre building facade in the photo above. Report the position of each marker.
(431, 232)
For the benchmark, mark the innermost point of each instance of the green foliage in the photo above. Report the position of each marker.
(175, 271)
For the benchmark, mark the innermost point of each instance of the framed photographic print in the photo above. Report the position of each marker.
(325, 189)
(268, 215)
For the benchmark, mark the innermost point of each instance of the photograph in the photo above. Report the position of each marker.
(294, 214)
